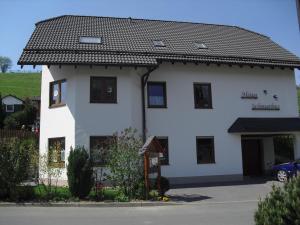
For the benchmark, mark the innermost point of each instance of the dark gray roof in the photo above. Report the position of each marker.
(253, 125)
(130, 42)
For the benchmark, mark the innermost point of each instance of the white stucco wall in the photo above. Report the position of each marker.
(180, 121)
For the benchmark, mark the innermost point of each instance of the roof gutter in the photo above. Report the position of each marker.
(144, 79)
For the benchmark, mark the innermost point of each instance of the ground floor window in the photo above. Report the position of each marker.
(56, 152)
(99, 149)
(283, 148)
(164, 159)
(205, 150)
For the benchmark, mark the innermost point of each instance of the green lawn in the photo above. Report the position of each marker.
(21, 85)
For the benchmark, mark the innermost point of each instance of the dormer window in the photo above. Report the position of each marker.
(200, 45)
(159, 43)
(90, 40)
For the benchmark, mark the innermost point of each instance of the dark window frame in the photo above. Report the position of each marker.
(167, 161)
(99, 164)
(51, 85)
(60, 163)
(164, 85)
(10, 111)
(213, 160)
(196, 101)
(115, 90)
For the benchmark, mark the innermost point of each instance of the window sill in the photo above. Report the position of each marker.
(203, 108)
(103, 102)
(56, 106)
(209, 163)
(57, 164)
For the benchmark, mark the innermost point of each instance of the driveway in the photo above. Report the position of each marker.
(231, 204)
(247, 191)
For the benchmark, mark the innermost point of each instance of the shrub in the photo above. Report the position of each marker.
(22, 193)
(124, 162)
(164, 185)
(80, 172)
(25, 117)
(281, 206)
(15, 163)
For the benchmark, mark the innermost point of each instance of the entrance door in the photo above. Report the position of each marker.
(252, 164)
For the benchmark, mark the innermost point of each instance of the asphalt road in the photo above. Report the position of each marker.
(230, 213)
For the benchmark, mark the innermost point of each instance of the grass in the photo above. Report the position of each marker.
(21, 85)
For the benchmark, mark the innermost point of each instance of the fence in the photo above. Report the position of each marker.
(22, 134)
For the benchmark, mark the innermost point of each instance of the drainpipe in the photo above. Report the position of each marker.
(144, 80)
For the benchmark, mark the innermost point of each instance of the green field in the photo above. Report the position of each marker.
(21, 85)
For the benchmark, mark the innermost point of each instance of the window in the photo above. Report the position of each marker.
(164, 159)
(205, 150)
(56, 152)
(90, 40)
(202, 96)
(99, 149)
(200, 45)
(103, 90)
(157, 95)
(58, 91)
(158, 43)
(10, 108)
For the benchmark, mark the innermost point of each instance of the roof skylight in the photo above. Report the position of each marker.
(90, 40)
(200, 45)
(159, 43)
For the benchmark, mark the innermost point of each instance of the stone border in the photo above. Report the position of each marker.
(87, 204)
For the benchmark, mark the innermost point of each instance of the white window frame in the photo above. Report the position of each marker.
(13, 108)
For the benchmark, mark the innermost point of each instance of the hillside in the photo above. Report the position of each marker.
(21, 85)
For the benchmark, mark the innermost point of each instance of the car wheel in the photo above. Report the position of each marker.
(282, 176)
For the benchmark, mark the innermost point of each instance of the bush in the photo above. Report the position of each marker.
(57, 194)
(80, 172)
(15, 164)
(25, 117)
(22, 193)
(164, 185)
(124, 162)
(281, 206)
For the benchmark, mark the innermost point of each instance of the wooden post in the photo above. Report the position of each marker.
(146, 173)
(158, 175)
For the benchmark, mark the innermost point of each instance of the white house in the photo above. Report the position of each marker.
(218, 97)
(11, 104)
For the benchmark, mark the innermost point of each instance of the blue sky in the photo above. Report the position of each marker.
(274, 18)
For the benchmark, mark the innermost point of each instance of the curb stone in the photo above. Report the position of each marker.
(87, 204)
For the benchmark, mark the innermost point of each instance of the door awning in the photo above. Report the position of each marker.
(254, 125)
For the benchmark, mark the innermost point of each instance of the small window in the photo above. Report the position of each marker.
(156, 95)
(205, 150)
(90, 40)
(164, 159)
(202, 96)
(58, 90)
(56, 152)
(159, 43)
(99, 149)
(103, 90)
(200, 45)
(10, 108)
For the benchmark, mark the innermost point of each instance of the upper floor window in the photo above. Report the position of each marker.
(157, 97)
(205, 150)
(58, 91)
(56, 152)
(90, 40)
(103, 90)
(99, 149)
(164, 159)
(202, 95)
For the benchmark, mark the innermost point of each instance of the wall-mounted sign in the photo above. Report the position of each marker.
(265, 107)
(249, 95)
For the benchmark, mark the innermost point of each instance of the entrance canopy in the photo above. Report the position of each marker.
(255, 125)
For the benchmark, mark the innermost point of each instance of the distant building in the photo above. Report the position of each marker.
(11, 104)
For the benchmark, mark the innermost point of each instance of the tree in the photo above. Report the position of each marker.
(80, 172)
(5, 64)
(124, 162)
